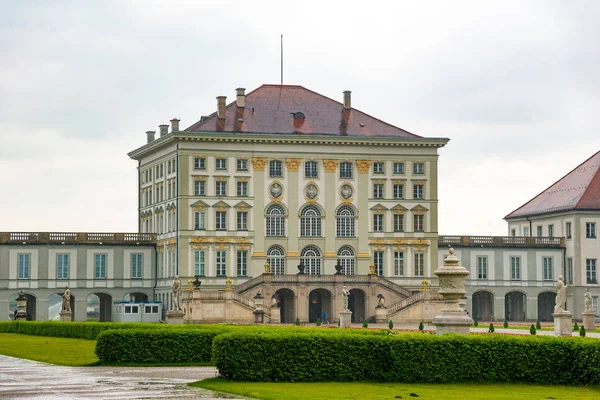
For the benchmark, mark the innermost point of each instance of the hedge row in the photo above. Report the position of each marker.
(313, 357)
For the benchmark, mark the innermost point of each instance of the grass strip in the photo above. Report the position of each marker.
(53, 350)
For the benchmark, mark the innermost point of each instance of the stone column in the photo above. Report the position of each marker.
(259, 256)
(361, 191)
(293, 165)
(329, 188)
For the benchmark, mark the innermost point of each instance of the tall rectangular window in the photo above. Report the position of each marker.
(199, 163)
(275, 169)
(482, 267)
(242, 220)
(568, 229)
(242, 189)
(515, 268)
(419, 264)
(199, 262)
(398, 191)
(242, 164)
(378, 261)
(526, 231)
(199, 188)
(24, 263)
(311, 169)
(398, 168)
(547, 268)
(220, 188)
(377, 222)
(221, 220)
(378, 167)
(418, 223)
(551, 230)
(99, 266)
(242, 263)
(200, 220)
(418, 192)
(398, 263)
(539, 231)
(590, 230)
(221, 263)
(569, 274)
(346, 170)
(62, 266)
(590, 270)
(220, 164)
(136, 266)
(418, 168)
(378, 190)
(398, 222)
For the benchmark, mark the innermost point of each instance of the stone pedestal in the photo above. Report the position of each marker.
(259, 316)
(588, 320)
(66, 316)
(21, 316)
(562, 323)
(275, 315)
(381, 315)
(458, 323)
(345, 319)
(175, 317)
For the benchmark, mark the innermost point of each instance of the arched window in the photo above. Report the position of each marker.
(275, 221)
(310, 221)
(346, 259)
(311, 258)
(345, 222)
(276, 258)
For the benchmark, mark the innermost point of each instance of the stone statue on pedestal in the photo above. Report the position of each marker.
(66, 302)
(176, 287)
(561, 295)
(588, 300)
(345, 294)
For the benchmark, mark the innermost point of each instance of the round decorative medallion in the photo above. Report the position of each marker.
(276, 190)
(346, 191)
(311, 191)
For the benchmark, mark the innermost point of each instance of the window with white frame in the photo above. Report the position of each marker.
(200, 262)
(540, 231)
(568, 231)
(378, 190)
(199, 188)
(398, 263)
(275, 220)
(569, 274)
(378, 167)
(590, 230)
(398, 222)
(24, 266)
(547, 268)
(398, 168)
(595, 305)
(398, 191)
(482, 267)
(220, 188)
(275, 169)
(242, 164)
(590, 270)
(418, 222)
(378, 261)
(377, 222)
(418, 168)
(515, 268)
(418, 192)
(199, 220)
(136, 265)
(242, 263)
(242, 220)
(221, 220)
(551, 230)
(62, 266)
(526, 231)
(346, 258)
(513, 232)
(242, 189)
(419, 263)
(346, 170)
(276, 259)
(345, 223)
(310, 221)
(99, 266)
(221, 256)
(199, 163)
(311, 258)
(311, 169)
(220, 164)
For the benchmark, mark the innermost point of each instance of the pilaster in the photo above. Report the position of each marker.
(258, 257)
(293, 165)
(362, 195)
(330, 186)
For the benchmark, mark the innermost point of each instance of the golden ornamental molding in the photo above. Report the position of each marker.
(259, 163)
(420, 243)
(293, 164)
(199, 178)
(160, 244)
(347, 201)
(330, 165)
(171, 242)
(363, 166)
(365, 254)
(198, 246)
(293, 254)
(259, 254)
(160, 250)
(242, 179)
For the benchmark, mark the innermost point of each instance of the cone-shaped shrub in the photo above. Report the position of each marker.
(575, 327)
(365, 324)
(532, 329)
(582, 331)
(391, 324)
(318, 322)
(491, 330)
(297, 321)
(538, 325)
(505, 323)
(475, 322)
(421, 327)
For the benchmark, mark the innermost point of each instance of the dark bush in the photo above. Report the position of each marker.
(505, 325)
(475, 322)
(365, 324)
(532, 329)
(491, 328)
(391, 324)
(538, 325)
(582, 331)
(575, 327)
(421, 327)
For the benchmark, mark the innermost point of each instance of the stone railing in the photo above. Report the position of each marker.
(391, 285)
(501, 241)
(415, 298)
(249, 284)
(76, 238)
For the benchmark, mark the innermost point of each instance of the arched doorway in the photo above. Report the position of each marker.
(136, 297)
(515, 306)
(546, 302)
(99, 307)
(287, 305)
(319, 300)
(30, 307)
(482, 305)
(356, 304)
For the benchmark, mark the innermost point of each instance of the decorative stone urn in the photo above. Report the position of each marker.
(453, 317)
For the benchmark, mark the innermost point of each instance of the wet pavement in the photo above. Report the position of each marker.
(25, 379)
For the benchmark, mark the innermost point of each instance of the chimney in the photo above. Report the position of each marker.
(174, 125)
(221, 107)
(150, 135)
(164, 129)
(241, 97)
(347, 100)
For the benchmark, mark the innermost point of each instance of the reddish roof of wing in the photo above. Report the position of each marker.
(269, 110)
(578, 190)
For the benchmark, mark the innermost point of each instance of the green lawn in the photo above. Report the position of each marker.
(376, 391)
(54, 350)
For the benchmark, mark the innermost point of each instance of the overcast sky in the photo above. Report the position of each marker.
(513, 84)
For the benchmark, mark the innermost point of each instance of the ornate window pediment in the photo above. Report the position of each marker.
(199, 204)
(379, 208)
(242, 205)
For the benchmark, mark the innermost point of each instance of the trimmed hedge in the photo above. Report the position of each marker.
(346, 356)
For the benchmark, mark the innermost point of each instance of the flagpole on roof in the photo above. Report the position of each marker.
(282, 59)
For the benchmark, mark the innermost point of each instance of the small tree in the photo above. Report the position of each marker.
(532, 329)
(318, 322)
(391, 324)
(538, 325)
(421, 327)
(365, 324)
(491, 330)
(505, 324)
(297, 321)
(475, 322)
(582, 331)
(575, 327)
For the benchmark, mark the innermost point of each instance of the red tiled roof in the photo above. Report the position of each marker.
(578, 190)
(269, 110)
